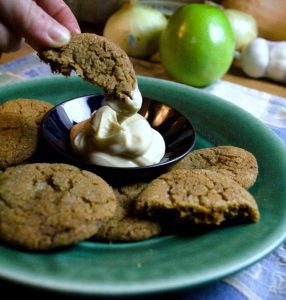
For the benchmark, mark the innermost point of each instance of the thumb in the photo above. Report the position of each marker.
(33, 23)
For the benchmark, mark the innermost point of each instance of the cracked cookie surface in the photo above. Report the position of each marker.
(44, 206)
(124, 226)
(19, 129)
(235, 162)
(197, 196)
(97, 60)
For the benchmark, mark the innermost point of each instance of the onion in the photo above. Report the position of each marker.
(244, 27)
(136, 29)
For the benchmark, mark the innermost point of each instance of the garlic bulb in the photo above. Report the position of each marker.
(277, 61)
(263, 58)
(254, 59)
(244, 27)
(136, 29)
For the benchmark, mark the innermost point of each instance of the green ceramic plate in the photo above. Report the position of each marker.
(169, 262)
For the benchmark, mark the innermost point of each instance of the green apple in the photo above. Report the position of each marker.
(197, 46)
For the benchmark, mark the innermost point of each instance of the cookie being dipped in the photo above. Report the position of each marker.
(97, 60)
(115, 134)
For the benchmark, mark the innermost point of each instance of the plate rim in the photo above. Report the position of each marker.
(155, 287)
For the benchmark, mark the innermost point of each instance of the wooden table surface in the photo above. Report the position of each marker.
(154, 69)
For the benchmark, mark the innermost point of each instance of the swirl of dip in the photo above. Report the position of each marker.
(116, 135)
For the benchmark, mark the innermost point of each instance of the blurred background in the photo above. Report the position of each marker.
(269, 15)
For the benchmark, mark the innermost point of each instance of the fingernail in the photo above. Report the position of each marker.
(59, 35)
(77, 31)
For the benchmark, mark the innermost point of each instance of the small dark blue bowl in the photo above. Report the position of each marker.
(177, 131)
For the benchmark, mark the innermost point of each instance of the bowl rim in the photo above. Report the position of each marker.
(76, 159)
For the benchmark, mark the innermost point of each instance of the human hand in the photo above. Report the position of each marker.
(39, 22)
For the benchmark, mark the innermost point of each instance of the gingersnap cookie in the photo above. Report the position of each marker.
(19, 129)
(124, 226)
(198, 196)
(32, 109)
(97, 60)
(235, 162)
(44, 206)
